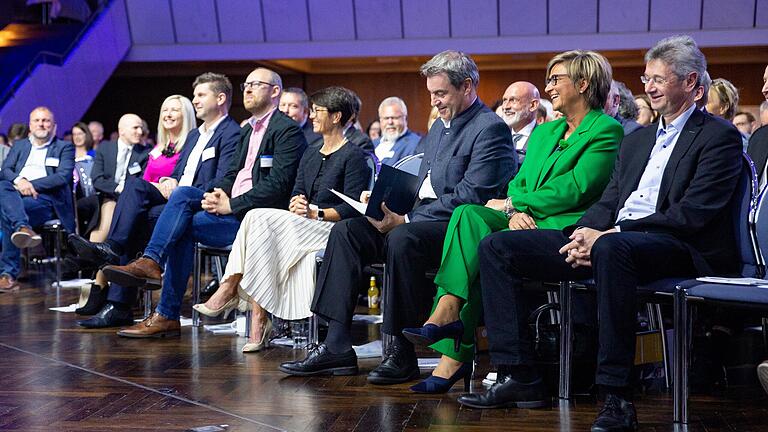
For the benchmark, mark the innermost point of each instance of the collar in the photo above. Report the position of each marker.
(46, 144)
(123, 144)
(202, 129)
(447, 123)
(678, 123)
(253, 121)
(527, 129)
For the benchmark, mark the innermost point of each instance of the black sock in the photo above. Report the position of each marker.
(521, 373)
(339, 339)
(119, 305)
(403, 343)
(115, 246)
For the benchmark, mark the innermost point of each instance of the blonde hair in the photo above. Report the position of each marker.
(728, 96)
(589, 66)
(188, 123)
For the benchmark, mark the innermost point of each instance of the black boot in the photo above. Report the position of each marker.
(97, 298)
(617, 415)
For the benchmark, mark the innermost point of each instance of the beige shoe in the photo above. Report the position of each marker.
(264, 343)
(226, 308)
(762, 374)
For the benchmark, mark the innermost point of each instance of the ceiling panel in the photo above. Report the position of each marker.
(734, 14)
(195, 21)
(150, 21)
(378, 19)
(673, 15)
(618, 16)
(240, 21)
(286, 20)
(332, 20)
(572, 16)
(414, 24)
(522, 17)
(474, 18)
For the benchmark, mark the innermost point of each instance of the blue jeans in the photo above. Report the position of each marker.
(17, 211)
(181, 224)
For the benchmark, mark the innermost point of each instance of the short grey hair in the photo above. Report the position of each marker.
(457, 65)
(764, 106)
(394, 100)
(680, 53)
(627, 105)
(303, 98)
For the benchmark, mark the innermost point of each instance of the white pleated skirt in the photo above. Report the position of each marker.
(275, 251)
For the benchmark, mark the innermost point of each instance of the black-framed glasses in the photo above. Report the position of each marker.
(552, 80)
(315, 110)
(656, 79)
(252, 84)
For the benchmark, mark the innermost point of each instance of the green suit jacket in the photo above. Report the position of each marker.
(561, 179)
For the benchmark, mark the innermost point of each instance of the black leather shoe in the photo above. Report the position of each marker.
(617, 415)
(321, 361)
(97, 253)
(399, 365)
(97, 298)
(507, 392)
(209, 289)
(109, 316)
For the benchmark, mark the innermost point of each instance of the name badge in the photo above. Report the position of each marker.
(134, 169)
(52, 162)
(208, 153)
(265, 161)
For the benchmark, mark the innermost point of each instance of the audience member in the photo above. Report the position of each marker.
(85, 193)
(97, 132)
(5, 147)
(262, 175)
(723, 99)
(273, 257)
(177, 119)
(627, 105)
(203, 155)
(701, 96)
(374, 130)
(763, 113)
(396, 141)
(433, 116)
(547, 115)
(35, 186)
(745, 122)
(758, 143)
(611, 108)
(645, 114)
(294, 104)
(353, 133)
(570, 163)
(636, 232)
(17, 131)
(519, 105)
(474, 161)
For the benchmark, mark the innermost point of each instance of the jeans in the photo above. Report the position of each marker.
(17, 211)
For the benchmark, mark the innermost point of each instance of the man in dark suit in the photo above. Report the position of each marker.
(758, 142)
(612, 104)
(468, 158)
(665, 213)
(262, 174)
(396, 141)
(519, 106)
(205, 157)
(118, 160)
(35, 186)
(294, 104)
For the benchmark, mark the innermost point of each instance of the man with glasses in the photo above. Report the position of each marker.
(396, 140)
(665, 213)
(263, 176)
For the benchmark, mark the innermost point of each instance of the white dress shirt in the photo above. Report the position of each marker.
(34, 167)
(121, 166)
(385, 148)
(522, 143)
(194, 157)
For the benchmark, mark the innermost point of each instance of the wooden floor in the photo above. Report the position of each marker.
(58, 377)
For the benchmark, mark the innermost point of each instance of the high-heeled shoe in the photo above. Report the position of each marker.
(97, 299)
(435, 384)
(432, 333)
(263, 343)
(226, 308)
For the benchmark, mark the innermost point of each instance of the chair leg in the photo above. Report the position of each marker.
(664, 342)
(147, 303)
(314, 330)
(386, 339)
(566, 340)
(197, 268)
(57, 252)
(248, 318)
(682, 321)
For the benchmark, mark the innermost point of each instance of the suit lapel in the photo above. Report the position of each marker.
(684, 140)
(192, 138)
(24, 155)
(548, 147)
(637, 160)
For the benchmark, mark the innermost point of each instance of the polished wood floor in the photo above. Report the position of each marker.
(58, 377)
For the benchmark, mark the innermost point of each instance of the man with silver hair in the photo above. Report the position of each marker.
(666, 212)
(468, 158)
(702, 92)
(396, 140)
(519, 105)
(612, 104)
(294, 103)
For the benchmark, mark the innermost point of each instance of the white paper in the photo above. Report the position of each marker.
(369, 350)
(428, 362)
(370, 319)
(735, 281)
(73, 283)
(70, 308)
(357, 205)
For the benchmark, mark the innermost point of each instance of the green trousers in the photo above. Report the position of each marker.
(458, 274)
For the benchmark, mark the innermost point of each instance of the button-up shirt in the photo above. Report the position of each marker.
(244, 180)
(206, 133)
(642, 202)
(34, 167)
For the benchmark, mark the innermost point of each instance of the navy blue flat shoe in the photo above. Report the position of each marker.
(435, 384)
(431, 333)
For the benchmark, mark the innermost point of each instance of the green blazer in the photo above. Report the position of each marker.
(561, 179)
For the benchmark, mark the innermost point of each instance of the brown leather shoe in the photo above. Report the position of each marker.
(8, 284)
(136, 273)
(24, 238)
(156, 326)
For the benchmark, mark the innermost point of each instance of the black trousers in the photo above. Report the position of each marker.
(408, 251)
(620, 262)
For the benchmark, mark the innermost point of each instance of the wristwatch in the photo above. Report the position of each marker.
(509, 209)
(320, 214)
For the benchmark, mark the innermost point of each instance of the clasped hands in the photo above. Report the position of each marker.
(216, 202)
(390, 220)
(577, 252)
(299, 205)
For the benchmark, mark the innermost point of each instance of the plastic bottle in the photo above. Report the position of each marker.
(374, 299)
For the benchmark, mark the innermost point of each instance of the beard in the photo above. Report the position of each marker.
(389, 136)
(513, 119)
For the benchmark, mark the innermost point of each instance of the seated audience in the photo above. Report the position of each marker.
(272, 263)
(645, 114)
(17, 131)
(294, 104)
(570, 163)
(352, 131)
(261, 176)
(396, 141)
(85, 193)
(177, 119)
(202, 157)
(612, 105)
(374, 130)
(5, 147)
(637, 232)
(627, 105)
(97, 132)
(468, 159)
(519, 106)
(35, 186)
(723, 99)
(746, 123)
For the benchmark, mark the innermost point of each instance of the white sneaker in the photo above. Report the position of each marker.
(762, 374)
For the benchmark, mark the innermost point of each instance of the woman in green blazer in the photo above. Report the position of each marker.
(567, 166)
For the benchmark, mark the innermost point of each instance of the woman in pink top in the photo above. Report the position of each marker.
(177, 118)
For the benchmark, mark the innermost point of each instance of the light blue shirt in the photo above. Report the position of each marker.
(642, 202)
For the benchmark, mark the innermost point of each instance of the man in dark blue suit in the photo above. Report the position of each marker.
(35, 186)
(468, 158)
(396, 140)
(206, 155)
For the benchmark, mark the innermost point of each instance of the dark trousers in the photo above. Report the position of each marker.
(408, 251)
(620, 262)
(17, 211)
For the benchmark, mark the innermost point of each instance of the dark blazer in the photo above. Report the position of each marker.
(272, 187)
(344, 170)
(213, 163)
(696, 188)
(404, 146)
(105, 163)
(310, 135)
(470, 163)
(758, 149)
(629, 125)
(59, 165)
(359, 138)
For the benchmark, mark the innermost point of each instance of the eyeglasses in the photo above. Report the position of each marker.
(657, 80)
(552, 80)
(315, 110)
(252, 84)
(390, 118)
